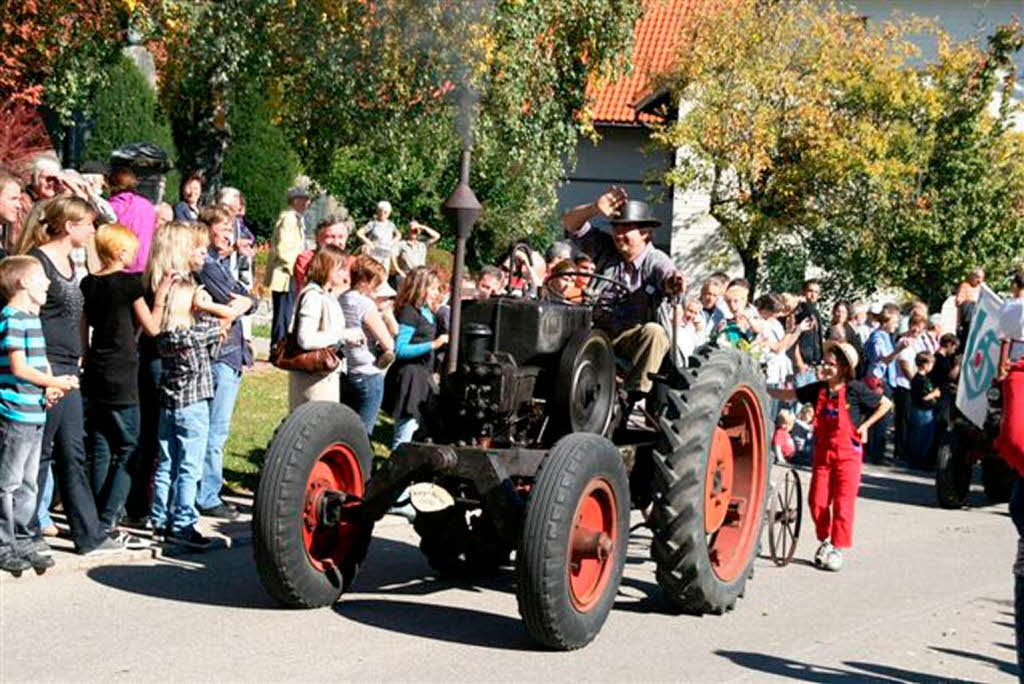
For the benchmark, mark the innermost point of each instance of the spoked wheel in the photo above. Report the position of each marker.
(573, 546)
(710, 482)
(307, 550)
(785, 513)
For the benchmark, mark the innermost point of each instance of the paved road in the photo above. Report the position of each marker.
(927, 595)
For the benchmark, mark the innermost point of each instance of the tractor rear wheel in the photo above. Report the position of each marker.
(573, 545)
(953, 470)
(303, 562)
(710, 482)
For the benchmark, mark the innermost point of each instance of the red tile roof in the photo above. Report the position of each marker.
(654, 50)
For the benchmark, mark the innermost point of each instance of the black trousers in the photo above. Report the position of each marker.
(64, 448)
(112, 436)
(901, 415)
(282, 314)
(143, 461)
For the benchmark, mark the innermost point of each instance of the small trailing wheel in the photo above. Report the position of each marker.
(573, 546)
(785, 513)
(953, 470)
(709, 489)
(305, 560)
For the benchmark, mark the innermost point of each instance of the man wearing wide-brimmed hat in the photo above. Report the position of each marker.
(645, 276)
(285, 246)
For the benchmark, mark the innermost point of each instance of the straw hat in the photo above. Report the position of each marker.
(848, 352)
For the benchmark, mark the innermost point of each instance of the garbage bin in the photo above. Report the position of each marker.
(150, 164)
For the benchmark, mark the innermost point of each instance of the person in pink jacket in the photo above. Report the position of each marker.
(134, 211)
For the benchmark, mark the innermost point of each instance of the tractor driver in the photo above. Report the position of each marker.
(648, 274)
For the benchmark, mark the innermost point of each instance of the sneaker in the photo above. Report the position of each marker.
(41, 547)
(130, 541)
(144, 523)
(189, 537)
(834, 560)
(822, 554)
(13, 563)
(107, 546)
(39, 562)
(225, 510)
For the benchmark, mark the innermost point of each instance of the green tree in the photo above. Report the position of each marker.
(965, 206)
(258, 160)
(369, 94)
(126, 111)
(789, 108)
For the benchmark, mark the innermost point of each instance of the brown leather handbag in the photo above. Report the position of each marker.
(287, 355)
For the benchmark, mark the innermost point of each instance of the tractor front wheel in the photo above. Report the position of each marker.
(573, 546)
(304, 561)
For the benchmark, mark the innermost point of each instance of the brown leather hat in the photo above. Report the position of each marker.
(637, 213)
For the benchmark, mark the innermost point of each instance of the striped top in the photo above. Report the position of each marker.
(21, 401)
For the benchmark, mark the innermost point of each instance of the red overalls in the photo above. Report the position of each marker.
(1010, 442)
(835, 475)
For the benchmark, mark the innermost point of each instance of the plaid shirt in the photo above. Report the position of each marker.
(187, 376)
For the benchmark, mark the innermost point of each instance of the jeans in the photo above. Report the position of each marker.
(225, 391)
(45, 496)
(20, 444)
(363, 392)
(283, 303)
(64, 448)
(405, 428)
(1017, 515)
(182, 441)
(140, 497)
(112, 438)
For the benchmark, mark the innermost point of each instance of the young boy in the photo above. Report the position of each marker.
(27, 388)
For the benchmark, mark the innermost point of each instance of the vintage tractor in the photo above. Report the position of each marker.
(530, 448)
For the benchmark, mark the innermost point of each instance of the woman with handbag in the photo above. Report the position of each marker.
(318, 327)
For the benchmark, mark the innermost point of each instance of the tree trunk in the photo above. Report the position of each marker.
(750, 255)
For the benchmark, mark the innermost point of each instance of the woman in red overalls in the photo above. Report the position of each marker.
(845, 409)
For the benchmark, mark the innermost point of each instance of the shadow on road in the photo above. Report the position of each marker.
(443, 623)
(807, 672)
(208, 584)
(1003, 666)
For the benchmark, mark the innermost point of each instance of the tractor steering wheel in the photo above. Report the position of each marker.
(603, 299)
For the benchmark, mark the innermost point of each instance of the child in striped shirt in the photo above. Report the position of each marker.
(27, 389)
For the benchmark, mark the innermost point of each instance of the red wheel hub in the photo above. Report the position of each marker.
(592, 544)
(337, 468)
(734, 484)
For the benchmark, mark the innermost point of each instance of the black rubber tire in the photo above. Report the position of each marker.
(542, 558)
(284, 568)
(953, 470)
(998, 479)
(679, 547)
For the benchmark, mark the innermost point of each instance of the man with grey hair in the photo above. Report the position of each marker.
(241, 260)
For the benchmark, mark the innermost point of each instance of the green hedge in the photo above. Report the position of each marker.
(259, 160)
(127, 112)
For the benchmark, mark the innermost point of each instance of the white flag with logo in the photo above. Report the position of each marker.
(980, 357)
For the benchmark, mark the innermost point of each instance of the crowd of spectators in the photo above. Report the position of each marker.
(131, 341)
